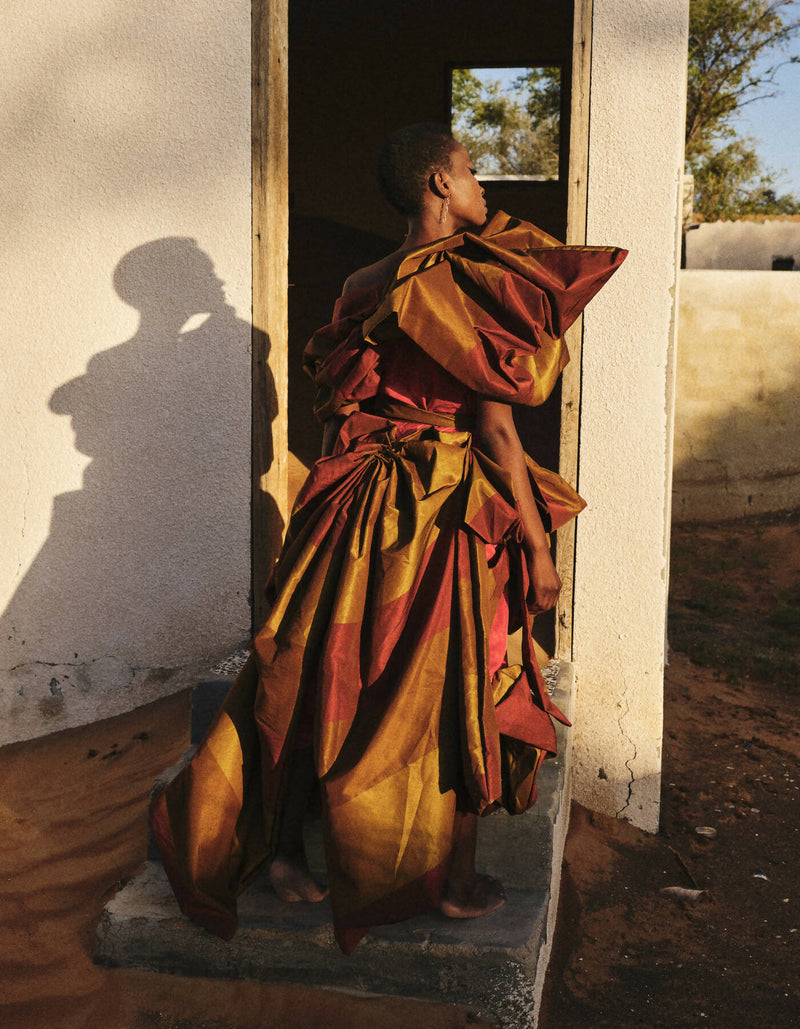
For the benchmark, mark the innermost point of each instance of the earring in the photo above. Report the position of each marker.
(444, 210)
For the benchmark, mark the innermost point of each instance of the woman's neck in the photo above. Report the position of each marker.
(425, 227)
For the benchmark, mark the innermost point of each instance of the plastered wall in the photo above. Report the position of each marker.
(743, 245)
(737, 412)
(638, 72)
(124, 350)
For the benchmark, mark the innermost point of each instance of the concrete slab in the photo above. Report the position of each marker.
(493, 965)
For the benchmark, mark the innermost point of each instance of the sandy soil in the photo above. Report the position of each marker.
(73, 829)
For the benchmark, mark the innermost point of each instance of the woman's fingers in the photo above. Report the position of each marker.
(545, 585)
(542, 600)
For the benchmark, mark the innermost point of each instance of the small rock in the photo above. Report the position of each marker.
(682, 893)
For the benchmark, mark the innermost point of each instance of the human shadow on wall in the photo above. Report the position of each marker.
(144, 577)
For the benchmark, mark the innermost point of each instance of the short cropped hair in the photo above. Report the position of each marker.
(407, 160)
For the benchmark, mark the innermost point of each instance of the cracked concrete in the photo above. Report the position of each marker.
(44, 696)
(625, 782)
(627, 365)
(628, 761)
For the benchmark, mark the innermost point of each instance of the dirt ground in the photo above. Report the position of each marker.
(626, 954)
(72, 814)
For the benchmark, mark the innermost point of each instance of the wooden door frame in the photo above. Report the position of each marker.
(577, 199)
(270, 233)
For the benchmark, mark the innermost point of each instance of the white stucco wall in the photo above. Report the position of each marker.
(737, 408)
(635, 165)
(125, 186)
(743, 245)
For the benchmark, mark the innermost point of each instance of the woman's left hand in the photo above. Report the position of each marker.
(545, 585)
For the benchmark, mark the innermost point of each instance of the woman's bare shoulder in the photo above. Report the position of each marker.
(374, 274)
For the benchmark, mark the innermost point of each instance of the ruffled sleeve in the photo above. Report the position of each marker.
(491, 307)
(337, 358)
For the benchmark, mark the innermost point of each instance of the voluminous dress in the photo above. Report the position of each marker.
(400, 577)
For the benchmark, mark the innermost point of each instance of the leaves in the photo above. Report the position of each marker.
(730, 183)
(509, 130)
(727, 39)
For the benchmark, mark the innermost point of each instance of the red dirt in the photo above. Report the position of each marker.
(626, 954)
(73, 830)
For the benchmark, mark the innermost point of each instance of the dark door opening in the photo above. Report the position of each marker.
(357, 71)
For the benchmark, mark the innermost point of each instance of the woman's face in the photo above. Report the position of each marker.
(467, 203)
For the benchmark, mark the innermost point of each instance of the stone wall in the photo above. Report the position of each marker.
(124, 350)
(737, 441)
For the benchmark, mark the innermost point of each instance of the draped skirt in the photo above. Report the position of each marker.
(401, 557)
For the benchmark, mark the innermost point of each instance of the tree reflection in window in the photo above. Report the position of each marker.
(509, 120)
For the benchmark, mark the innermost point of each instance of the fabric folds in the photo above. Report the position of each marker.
(489, 308)
(401, 565)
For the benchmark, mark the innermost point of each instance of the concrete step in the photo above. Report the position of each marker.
(494, 965)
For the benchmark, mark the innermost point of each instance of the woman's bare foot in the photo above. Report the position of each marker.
(292, 881)
(477, 897)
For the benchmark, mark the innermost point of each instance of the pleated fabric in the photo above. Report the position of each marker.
(402, 552)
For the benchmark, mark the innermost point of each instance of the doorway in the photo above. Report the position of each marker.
(358, 70)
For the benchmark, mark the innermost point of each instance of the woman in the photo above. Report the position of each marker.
(412, 550)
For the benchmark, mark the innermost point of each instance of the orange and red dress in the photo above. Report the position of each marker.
(399, 579)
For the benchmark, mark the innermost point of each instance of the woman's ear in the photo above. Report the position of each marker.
(439, 185)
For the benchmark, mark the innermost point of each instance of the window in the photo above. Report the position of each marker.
(509, 119)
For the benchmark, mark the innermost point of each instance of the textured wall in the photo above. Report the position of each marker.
(742, 245)
(635, 163)
(737, 409)
(125, 184)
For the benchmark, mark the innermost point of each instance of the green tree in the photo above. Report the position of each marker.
(727, 38)
(509, 131)
(730, 183)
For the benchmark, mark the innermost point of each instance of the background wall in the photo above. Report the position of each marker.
(637, 104)
(743, 245)
(737, 442)
(125, 187)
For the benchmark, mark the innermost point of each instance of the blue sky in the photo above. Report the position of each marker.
(775, 123)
